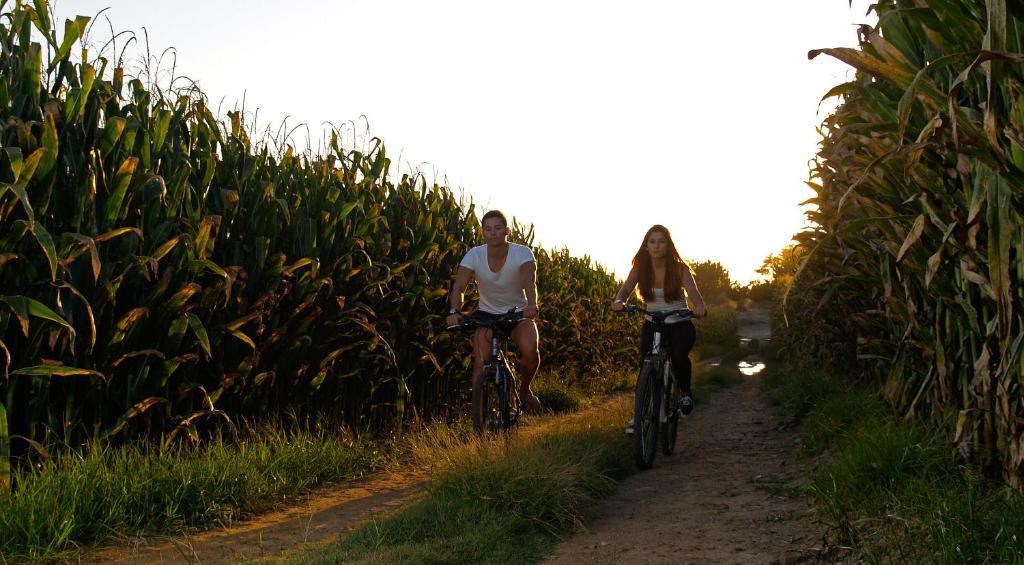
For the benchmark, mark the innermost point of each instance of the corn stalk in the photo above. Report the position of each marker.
(163, 275)
(914, 265)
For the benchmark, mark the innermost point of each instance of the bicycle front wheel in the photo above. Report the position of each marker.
(486, 405)
(670, 427)
(645, 416)
(504, 399)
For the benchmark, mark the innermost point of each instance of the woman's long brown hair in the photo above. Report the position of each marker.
(673, 272)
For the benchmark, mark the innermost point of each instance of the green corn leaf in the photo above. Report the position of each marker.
(143, 353)
(28, 169)
(73, 31)
(181, 297)
(88, 312)
(31, 77)
(127, 322)
(41, 19)
(166, 247)
(15, 160)
(161, 122)
(56, 371)
(912, 237)
(254, 317)
(5, 452)
(118, 233)
(203, 236)
(137, 410)
(7, 357)
(49, 249)
(112, 133)
(50, 147)
(115, 199)
(89, 245)
(25, 307)
(177, 327)
(200, 330)
(244, 338)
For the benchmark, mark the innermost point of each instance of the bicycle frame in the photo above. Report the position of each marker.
(496, 373)
(499, 360)
(657, 356)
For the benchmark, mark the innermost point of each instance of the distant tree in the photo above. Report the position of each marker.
(712, 280)
(762, 292)
(778, 269)
(783, 265)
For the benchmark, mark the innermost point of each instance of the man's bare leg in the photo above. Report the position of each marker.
(481, 351)
(527, 340)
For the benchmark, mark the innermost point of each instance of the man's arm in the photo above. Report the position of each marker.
(690, 285)
(528, 278)
(459, 285)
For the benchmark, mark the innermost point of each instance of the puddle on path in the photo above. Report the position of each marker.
(751, 369)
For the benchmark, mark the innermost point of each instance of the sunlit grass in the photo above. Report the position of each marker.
(498, 501)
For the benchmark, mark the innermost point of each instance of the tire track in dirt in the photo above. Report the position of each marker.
(324, 515)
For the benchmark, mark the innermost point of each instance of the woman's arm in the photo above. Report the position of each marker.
(693, 293)
(626, 289)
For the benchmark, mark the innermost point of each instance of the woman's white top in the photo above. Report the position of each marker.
(503, 290)
(657, 304)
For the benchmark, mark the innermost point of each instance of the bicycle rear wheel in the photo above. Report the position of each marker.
(645, 416)
(670, 428)
(485, 405)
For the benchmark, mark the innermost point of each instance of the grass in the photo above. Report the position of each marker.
(500, 501)
(110, 492)
(890, 489)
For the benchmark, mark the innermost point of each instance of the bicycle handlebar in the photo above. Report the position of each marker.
(470, 323)
(659, 316)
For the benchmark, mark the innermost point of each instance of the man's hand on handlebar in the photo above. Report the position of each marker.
(699, 311)
(453, 319)
(618, 306)
(531, 312)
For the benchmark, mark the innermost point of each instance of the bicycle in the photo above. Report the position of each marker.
(495, 401)
(656, 399)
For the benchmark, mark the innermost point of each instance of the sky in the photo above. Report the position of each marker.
(591, 119)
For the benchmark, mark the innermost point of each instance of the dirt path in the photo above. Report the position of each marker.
(728, 495)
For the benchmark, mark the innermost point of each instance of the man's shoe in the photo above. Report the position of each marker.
(686, 405)
(531, 404)
(629, 427)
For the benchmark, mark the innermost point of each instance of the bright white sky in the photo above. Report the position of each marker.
(592, 119)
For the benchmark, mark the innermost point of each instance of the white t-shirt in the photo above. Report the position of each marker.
(503, 290)
(657, 303)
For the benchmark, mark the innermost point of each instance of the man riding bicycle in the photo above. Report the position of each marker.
(506, 278)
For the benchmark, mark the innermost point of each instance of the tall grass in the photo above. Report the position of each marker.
(109, 492)
(496, 502)
(912, 270)
(890, 490)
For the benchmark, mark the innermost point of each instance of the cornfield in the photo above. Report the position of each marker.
(913, 269)
(162, 274)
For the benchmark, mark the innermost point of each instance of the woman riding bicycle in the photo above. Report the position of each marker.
(665, 282)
